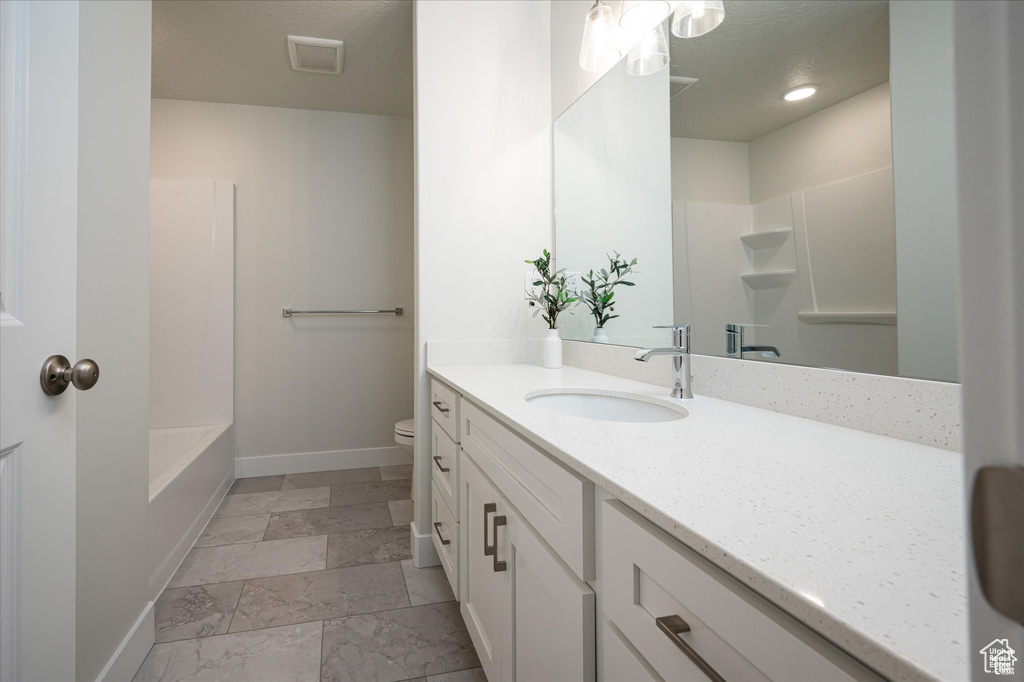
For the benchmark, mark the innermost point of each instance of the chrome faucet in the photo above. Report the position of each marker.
(734, 342)
(680, 352)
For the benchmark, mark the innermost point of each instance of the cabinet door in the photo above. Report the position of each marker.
(549, 634)
(482, 588)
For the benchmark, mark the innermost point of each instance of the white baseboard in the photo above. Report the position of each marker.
(306, 462)
(168, 567)
(134, 648)
(424, 554)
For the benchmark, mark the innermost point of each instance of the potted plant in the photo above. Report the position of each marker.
(599, 295)
(550, 295)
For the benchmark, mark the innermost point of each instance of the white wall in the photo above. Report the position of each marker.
(613, 193)
(483, 183)
(710, 171)
(192, 297)
(847, 139)
(922, 125)
(113, 328)
(323, 220)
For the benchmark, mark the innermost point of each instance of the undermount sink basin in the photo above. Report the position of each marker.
(606, 406)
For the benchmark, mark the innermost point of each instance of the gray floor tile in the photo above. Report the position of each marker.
(201, 611)
(281, 500)
(426, 585)
(322, 478)
(371, 546)
(401, 512)
(396, 472)
(314, 596)
(370, 491)
(471, 675)
(396, 645)
(328, 520)
(260, 484)
(288, 653)
(204, 565)
(231, 530)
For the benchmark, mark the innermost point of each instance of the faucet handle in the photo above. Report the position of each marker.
(671, 326)
(745, 325)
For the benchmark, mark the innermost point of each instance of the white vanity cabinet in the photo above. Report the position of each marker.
(444, 468)
(532, 539)
(530, 617)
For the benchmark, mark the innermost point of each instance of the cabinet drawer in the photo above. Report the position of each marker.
(446, 538)
(648, 575)
(621, 662)
(555, 501)
(444, 408)
(444, 466)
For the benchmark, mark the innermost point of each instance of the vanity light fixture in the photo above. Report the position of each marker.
(598, 51)
(697, 17)
(799, 93)
(650, 55)
(639, 15)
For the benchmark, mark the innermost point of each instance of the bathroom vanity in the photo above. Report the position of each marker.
(731, 543)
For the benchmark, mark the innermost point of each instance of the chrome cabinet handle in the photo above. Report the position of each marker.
(437, 461)
(673, 626)
(499, 566)
(57, 374)
(489, 508)
(437, 529)
(438, 404)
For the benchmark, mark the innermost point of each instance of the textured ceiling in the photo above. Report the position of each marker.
(235, 51)
(764, 48)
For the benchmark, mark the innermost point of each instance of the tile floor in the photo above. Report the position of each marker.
(309, 577)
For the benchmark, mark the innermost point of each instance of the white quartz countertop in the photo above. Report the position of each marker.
(859, 536)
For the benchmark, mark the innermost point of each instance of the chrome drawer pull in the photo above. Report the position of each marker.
(489, 508)
(437, 529)
(438, 404)
(437, 461)
(499, 566)
(672, 626)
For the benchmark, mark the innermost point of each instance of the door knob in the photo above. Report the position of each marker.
(57, 373)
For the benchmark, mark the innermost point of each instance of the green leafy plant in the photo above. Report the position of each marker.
(550, 294)
(599, 295)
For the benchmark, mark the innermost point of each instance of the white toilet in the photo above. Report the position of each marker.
(405, 434)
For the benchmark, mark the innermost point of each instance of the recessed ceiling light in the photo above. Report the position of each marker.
(797, 94)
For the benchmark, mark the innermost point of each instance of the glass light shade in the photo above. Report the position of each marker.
(697, 17)
(640, 15)
(650, 55)
(598, 51)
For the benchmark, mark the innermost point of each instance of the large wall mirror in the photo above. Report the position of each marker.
(743, 207)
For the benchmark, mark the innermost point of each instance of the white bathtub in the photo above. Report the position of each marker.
(190, 470)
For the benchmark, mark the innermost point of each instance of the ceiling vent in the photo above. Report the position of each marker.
(317, 55)
(677, 84)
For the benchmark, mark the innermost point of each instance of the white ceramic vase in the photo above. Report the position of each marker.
(600, 335)
(552, 350)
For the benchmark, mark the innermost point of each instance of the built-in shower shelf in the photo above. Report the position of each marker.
(886, 319)
(767, 239)
(768, 280)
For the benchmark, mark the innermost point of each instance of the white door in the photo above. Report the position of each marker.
(38, 214)
(549, 621)
(988, 55)
(483, 581)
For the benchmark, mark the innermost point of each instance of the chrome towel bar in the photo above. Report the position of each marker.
(288, 312)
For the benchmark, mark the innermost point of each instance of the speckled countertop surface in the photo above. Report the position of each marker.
(859, 536)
